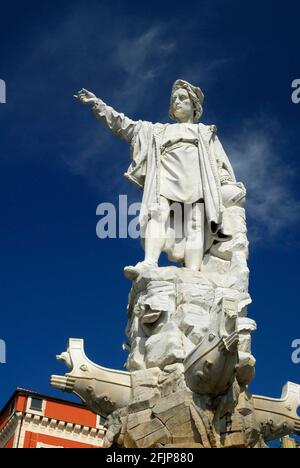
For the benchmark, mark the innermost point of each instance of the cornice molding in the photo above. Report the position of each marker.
(9, 429)
(53, 428)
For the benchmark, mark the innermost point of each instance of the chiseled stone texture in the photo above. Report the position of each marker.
(189, 338)
(170, 313)
(165, 413)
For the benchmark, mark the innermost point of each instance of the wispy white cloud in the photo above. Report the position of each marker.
(101, 161)
(206, 71)
(272, 206)
(88, 45)
(142, 59)
(139, 59)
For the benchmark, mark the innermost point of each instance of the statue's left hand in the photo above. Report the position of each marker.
(86, 97)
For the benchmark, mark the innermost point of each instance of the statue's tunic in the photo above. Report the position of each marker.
(180, 171)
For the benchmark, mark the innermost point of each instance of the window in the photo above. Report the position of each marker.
(36, 404)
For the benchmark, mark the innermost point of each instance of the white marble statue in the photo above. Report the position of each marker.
(190, 360)
(182, 163)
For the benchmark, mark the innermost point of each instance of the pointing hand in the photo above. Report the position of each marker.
(86, 97)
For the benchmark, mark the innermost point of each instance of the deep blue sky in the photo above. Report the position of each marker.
(57, 164)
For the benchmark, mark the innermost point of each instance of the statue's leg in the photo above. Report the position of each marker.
(194, 225)
(155, 237)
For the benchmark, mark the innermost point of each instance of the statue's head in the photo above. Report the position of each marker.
(186, 102)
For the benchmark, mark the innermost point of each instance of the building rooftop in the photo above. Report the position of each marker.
(31, 393)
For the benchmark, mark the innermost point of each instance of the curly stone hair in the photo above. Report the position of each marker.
(196, 95)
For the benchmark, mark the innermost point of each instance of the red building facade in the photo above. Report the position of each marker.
(32, 420)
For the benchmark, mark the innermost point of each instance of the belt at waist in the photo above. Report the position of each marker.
(170, 146)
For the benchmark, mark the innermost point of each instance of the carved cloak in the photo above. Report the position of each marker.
(144, 171)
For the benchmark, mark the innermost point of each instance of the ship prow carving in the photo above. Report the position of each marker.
(103, 390)
(106, 390)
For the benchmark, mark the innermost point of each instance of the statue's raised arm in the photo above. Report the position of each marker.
(121, 125)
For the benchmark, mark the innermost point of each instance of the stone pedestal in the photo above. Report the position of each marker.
(189, 361)
(171, 310)
(165, 413)
(189, 336)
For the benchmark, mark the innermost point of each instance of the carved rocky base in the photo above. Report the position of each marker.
(188, 368)
(154, 408)
(165, 413)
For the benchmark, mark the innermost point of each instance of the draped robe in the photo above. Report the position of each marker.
(144, 171)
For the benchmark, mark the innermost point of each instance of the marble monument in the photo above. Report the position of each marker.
(190, 361)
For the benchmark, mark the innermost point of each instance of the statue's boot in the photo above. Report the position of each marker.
(133, 272)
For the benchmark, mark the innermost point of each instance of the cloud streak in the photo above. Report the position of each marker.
(142, 59)
(139, 59)
(134, 65)
(272, 207)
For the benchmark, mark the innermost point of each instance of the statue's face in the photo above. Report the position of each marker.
(183, 108)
